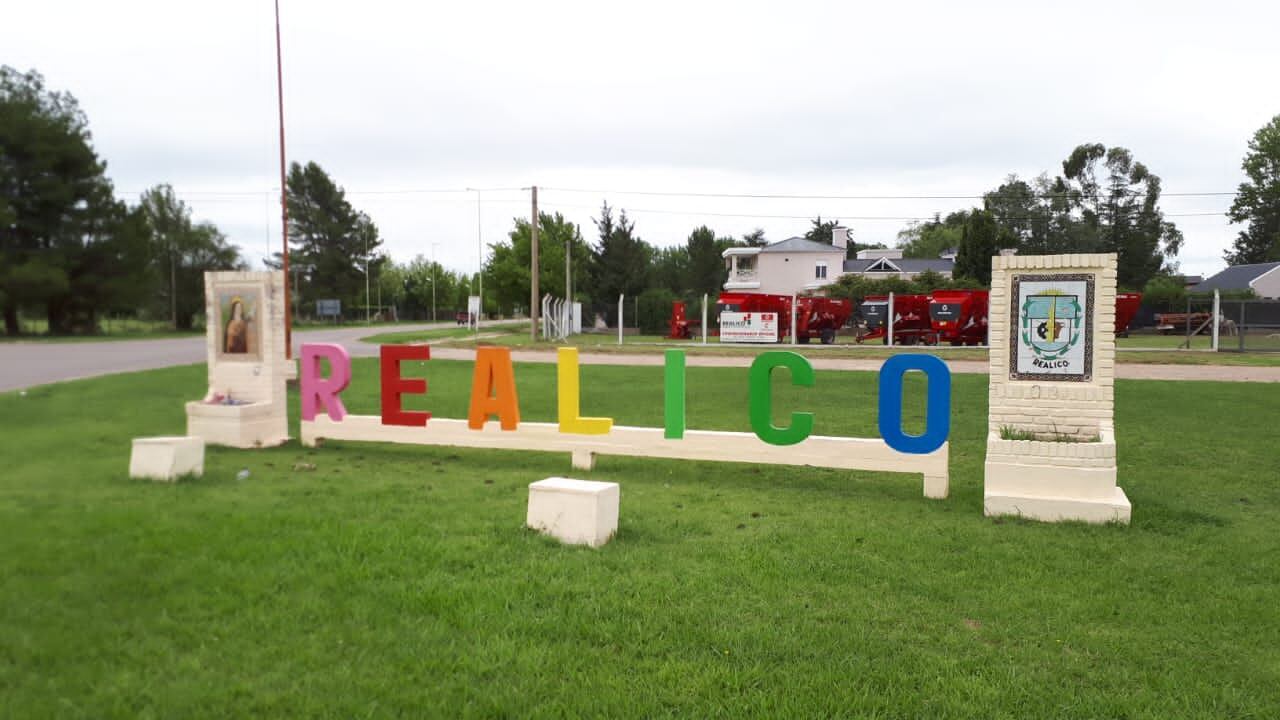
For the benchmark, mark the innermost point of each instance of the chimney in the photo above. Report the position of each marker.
(840, 237)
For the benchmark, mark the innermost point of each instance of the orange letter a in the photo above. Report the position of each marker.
(493, 372)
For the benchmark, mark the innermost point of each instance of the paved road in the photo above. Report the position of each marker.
(26, 364)
(1128, 371)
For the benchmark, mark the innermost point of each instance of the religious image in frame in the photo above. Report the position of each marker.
(239, 324)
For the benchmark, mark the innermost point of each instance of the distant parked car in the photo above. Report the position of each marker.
(461, 318)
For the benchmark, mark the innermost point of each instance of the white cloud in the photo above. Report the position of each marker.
(796, 98)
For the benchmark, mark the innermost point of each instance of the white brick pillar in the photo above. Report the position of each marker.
(1050, 435)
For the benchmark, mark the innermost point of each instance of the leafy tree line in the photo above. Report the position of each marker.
(1103, 201)
(617, 261)
(70, 251)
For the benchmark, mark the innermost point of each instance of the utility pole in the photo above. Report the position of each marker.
(284, 198)
(368, 319)
(480, 267)
(533, 277)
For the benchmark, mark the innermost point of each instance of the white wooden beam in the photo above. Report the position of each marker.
(819, 451)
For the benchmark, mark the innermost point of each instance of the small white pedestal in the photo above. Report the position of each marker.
(166, 458)
(578, 512)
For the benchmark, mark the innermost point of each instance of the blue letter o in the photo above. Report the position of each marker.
(937, 409)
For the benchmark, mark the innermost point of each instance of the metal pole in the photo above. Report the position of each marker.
(1217, 308)
(704, 318)
(620, 306)
(533, 270)
(480, 263)
(889, 320)
(284, 198)
(433, 281)
(1240, 327)
(1188, 322)
(367, 317)
(793, 318)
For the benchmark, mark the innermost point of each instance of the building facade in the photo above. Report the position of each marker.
(798, 266)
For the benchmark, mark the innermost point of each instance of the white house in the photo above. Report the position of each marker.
(790, 266)
(796, 265)
(1262, 278)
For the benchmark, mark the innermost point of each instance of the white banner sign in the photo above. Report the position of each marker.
(757, 327)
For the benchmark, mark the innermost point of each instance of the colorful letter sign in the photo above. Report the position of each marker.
(493, 392)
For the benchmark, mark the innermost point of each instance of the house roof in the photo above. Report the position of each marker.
(800, 245)
(1236, 277)
(908, 265)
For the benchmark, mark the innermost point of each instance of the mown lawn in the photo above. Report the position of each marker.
(399, 581)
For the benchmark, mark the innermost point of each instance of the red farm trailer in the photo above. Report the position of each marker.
(816, 317)
(959, 317)
(682, 328)
(911, 320)
(1127, 305)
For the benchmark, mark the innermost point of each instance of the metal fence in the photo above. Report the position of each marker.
(1249, 326)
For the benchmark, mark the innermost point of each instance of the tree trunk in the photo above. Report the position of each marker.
(11, 326)
(55, 313)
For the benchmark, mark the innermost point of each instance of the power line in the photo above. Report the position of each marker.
(276, 191)
(843, 217)
(785, 196)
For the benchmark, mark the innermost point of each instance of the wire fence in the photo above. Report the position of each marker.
(1249, 326)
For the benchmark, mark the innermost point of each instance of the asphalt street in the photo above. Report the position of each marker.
(24, 364)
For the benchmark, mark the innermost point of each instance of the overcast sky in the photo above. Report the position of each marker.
(796, 98)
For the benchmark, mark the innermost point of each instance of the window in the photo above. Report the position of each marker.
(820, 270)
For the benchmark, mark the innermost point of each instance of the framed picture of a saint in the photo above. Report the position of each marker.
(239, 324)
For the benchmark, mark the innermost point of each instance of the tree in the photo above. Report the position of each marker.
(821, 231)
(181, 253)
(620, 262)
(1025, 212)
(1081, 211)
(671, 268)
(755, 238)
(1257, 201)
(707, 273)
(930, 239)
(508, 269)
(66, 245)
(980, 239)
(1124, 212)
(336, 244)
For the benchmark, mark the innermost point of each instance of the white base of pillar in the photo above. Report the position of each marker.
(240, 426)
(1059, 509)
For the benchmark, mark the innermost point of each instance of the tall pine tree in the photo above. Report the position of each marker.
(330, 241)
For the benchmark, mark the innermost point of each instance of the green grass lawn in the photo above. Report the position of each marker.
(488, 332)
(399, 581)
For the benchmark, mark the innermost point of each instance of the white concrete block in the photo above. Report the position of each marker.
(166, 458)
(578, 512)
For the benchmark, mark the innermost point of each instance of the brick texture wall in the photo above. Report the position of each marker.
(1079, 409)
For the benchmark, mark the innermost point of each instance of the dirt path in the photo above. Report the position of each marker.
(1228, 373)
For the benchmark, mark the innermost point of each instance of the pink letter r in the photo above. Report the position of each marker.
(318, 392)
